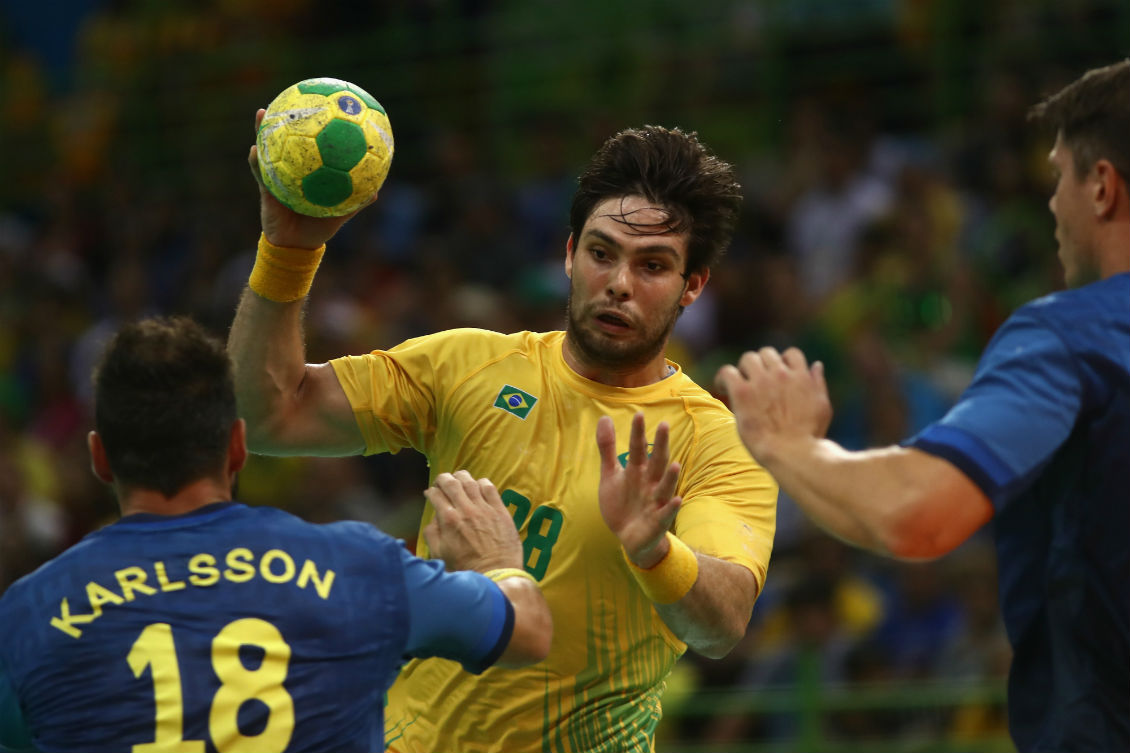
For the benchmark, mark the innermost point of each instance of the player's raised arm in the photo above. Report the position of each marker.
(291, 407)
(705, 601)
(472, 530)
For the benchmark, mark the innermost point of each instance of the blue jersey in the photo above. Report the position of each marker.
(229, 629)
(1044, 430)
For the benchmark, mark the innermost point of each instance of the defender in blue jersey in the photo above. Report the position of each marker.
(196, 624)
(1039, 443)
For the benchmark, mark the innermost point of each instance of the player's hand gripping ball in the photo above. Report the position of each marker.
(325, 146)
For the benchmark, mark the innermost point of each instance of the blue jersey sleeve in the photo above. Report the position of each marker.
(462, 616)
(1020, 408)
(14, 734)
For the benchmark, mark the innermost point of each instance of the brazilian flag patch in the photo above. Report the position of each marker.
(515, 401)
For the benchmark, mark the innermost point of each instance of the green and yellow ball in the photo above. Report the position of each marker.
(325, 147)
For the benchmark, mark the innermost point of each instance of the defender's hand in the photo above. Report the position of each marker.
(285, 227)
(776, 399)
(637, 501)
(472, 530)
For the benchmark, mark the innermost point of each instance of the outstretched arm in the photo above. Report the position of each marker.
(707, 602)
(896, 501)
(472, 530)
(291, 408)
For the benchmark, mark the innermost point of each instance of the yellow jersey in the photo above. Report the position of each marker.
(508, 408)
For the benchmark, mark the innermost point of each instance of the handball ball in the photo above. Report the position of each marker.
(325, 146)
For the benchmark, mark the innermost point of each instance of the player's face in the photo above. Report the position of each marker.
(1074, 218)
(626, 284)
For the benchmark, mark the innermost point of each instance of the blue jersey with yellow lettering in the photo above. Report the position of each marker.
(228, 629)
(1044, 430)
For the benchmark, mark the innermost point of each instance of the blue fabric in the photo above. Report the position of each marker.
(1044, 430)
(460, 615)
(336, 594)
(14, 734)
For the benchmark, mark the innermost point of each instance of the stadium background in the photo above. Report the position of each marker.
(895, 214)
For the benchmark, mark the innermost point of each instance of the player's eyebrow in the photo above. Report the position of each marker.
(608, 240)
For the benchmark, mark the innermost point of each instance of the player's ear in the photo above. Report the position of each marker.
(237, 446)
(1104, 188)
(99, 463)
(696, 281)
(569, 249)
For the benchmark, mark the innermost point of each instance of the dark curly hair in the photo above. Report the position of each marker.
(674, 170)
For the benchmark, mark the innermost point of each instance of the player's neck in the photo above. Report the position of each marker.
(1114, 254)
(191, 497)
(626, 376)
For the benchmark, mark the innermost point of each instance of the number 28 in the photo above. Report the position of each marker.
(541, 534)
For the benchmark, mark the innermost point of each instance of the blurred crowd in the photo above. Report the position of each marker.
(895, 215)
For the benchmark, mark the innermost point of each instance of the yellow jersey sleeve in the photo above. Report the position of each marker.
(393, 393)
(729, 506)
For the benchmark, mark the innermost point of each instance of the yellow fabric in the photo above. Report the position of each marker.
(672, 577)
(599, 688)
(508, 572)
(282, 274)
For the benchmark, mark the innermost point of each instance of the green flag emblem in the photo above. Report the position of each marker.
(515, 401)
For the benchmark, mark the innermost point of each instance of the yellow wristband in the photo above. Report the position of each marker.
(672, 577)
(508, 572)
(284, 274)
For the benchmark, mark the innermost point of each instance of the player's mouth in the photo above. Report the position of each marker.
(612, 322)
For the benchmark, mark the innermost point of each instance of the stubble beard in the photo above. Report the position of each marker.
(599, 349)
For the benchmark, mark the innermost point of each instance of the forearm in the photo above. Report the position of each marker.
(875, 499)
(268, 361)
(533, 624)
(713, 615)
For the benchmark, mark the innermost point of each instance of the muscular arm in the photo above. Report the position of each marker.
(291, 407)
(472, 530)
(895, 501)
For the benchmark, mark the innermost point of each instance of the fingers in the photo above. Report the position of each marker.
(665, 489)
(817, 372)
(770, 359)
(657, 464)
(433, 539)
(259, 117)
(606, 443)
(795, 359)
(439, 499)
(490, 495)
(459, 489)
(637, 441)
(727, 380)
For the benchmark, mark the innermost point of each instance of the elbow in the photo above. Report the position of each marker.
(538, 638)
(721, 641)
(910, 534)
(716, 649)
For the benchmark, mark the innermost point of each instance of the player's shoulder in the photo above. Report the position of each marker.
(337, 533)
(700, 400)
(1093, 319)
(474, 343)
(74, 559)
(485, 338)
(1107, 299)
